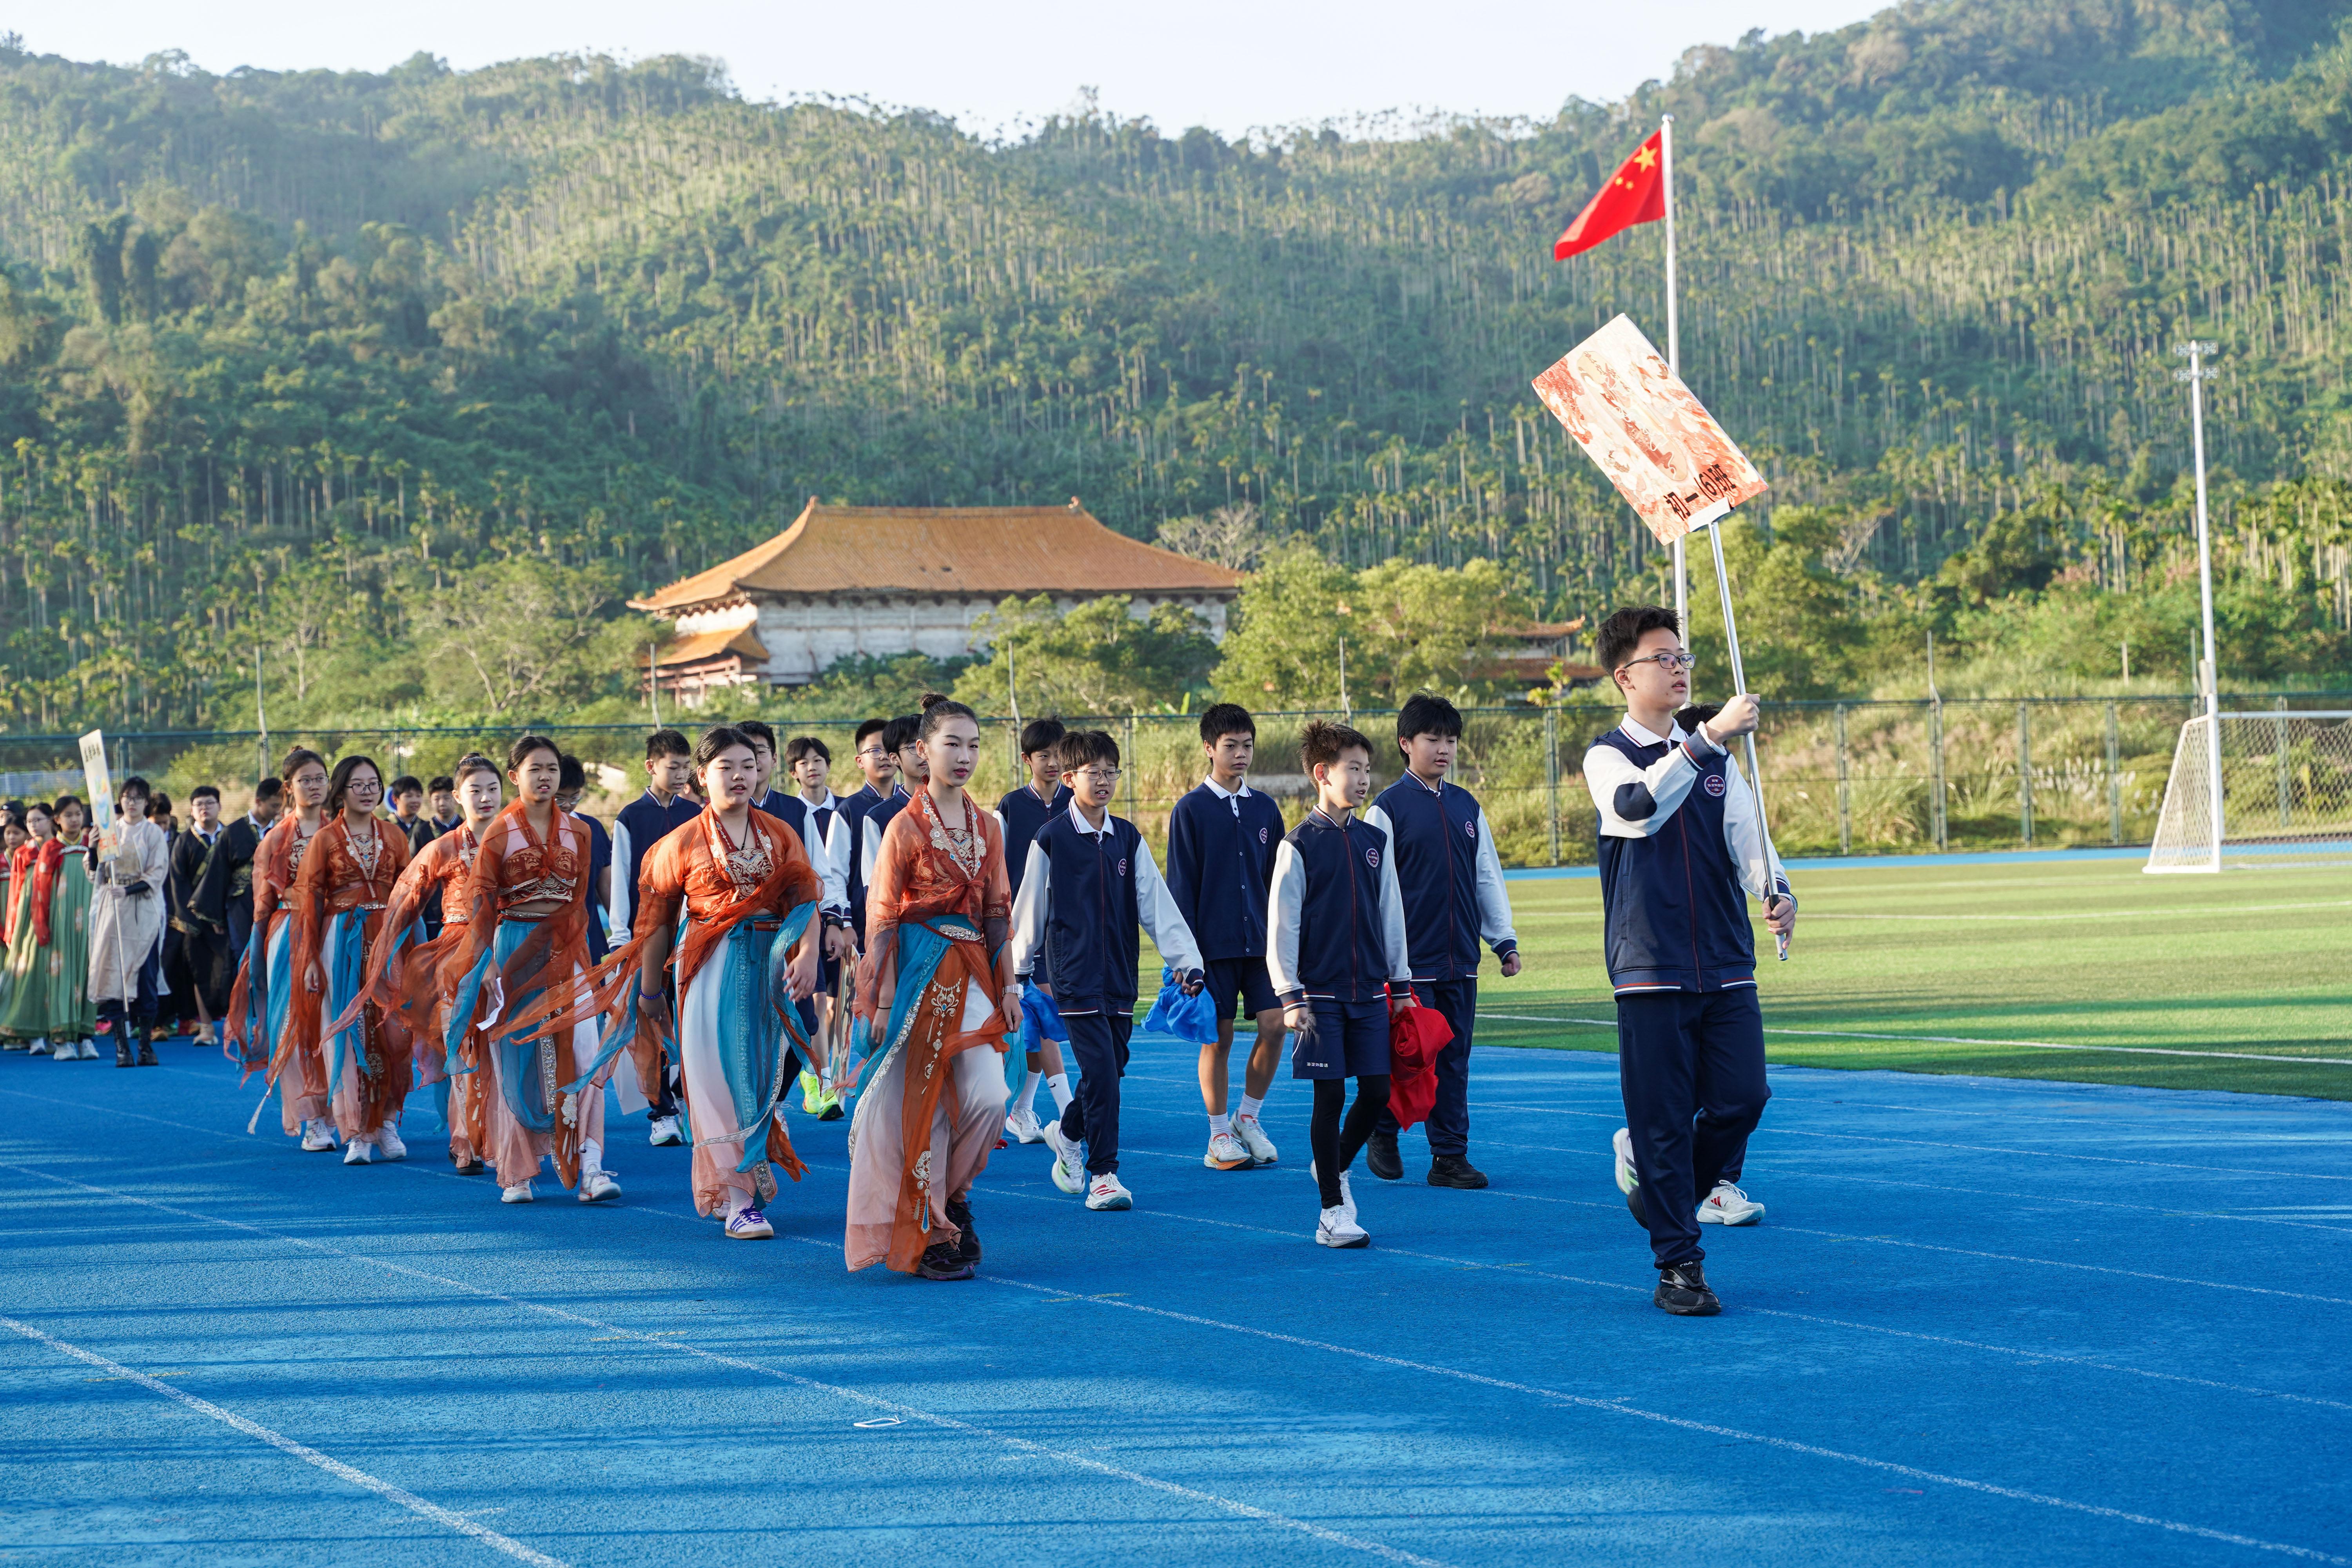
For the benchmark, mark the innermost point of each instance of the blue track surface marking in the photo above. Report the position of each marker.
(1985, 1322)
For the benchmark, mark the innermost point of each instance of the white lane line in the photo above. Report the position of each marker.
(1611, 1024)
(1779, 1130)
(1619, 1408)
(2096, 914)
(906, 1412)
(1515, 1272)
(285, 1445)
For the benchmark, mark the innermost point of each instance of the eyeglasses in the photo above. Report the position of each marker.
(875, 751)
(1107, 775)
(1672, 663)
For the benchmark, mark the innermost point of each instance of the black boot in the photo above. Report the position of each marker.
(960, 1215)
(1454, 1171)
(1682, 1291)
(1381, 1155)
(147, 1049)
(942, 1260)
(122, 1058)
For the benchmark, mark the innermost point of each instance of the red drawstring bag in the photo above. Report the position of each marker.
(1415, 1037)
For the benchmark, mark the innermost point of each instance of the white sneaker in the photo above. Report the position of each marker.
(1069, 1159)
(598, 1186)
(1227, 1153)
(1021, 1127)
(388, 1143)
(1253, 1139)
(1729, 1205)
(355, 1153)
(317, 1137)
(664, 1132)
(88, 1052)
(1347, 1192)
(1337, 1228)
(749, 1225)
(520, 1193)
(1622, 1142)
(66, 1052)
(1107, 1192)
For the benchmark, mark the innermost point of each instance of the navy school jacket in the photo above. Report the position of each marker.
(1091, 887)
(1336, 919)
(1220, 850)
(1450, 877)
(1021, 813)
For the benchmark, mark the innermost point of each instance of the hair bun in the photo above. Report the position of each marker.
(930, 699)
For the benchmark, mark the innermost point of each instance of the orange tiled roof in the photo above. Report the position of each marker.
(990, 551)
(705, 645)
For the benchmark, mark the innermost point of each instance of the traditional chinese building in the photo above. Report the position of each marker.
(881, 581)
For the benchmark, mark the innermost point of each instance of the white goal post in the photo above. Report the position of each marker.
(2284, 793)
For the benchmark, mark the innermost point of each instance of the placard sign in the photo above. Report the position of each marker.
(1635, 419)
(100, 785)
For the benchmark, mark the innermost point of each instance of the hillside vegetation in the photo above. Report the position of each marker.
(345, 369)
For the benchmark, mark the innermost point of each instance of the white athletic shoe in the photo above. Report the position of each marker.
(664, 1132)
(749, 1225)
(388, 1143)
(1107, 1192)
(1729, 1205)
(88, 1052)
(1347, 1192)
(1253, 1139)
(1337, 1228)
(1069, 1159)
(357, 1153)
(67, 1051)
(1622, 1142)
(598, 1186)
(520, 1193)
(1021, 1127)
(318, 1136)
(1227, 1153)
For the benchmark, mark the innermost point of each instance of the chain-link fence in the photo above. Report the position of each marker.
(1840, 778)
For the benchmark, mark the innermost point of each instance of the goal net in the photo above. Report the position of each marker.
(2286, 783)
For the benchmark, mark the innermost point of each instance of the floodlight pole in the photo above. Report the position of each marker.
(2208, 670)
(1675, 355)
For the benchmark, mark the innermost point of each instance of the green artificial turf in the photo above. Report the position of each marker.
(2098, 955)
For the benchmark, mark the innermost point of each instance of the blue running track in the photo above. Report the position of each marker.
(1985, 1323)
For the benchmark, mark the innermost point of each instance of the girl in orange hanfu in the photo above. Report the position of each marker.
(261, 1004)
(744, 959)
(339, 895)
(413, 978)
(936, 997)
(525, 950)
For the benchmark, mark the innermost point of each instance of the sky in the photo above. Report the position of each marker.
(1230, 64)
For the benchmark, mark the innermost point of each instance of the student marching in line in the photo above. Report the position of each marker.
(1452, 881)
(641, 825)
(824, 828)
(1682, 849)
(339, 895)
(259, 1004)
(1089, 883)
(571, 784)
(1022, 813)
(903, 737)
(877, 769)
(1221, 840)
(1335, 953)
(936, 991)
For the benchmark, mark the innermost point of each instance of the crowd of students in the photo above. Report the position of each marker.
(728, 941)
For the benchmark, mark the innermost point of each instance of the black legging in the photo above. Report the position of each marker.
(1336, 1147)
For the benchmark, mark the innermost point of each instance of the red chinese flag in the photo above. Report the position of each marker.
(1634, 193)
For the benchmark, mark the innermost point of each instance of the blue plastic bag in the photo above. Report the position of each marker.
(1192, 1018)
(1040, 1019)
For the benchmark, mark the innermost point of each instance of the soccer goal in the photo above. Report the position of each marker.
(2285, 793)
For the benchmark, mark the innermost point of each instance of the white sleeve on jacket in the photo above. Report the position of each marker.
(1495, 926)
(621, 894)
(869, 846)
(1155, 907)
(1283, 905)
(832, 861)
(1635, 803)
(1375, 817)
(1029, 909)
(1760, 871)
(1392, 920)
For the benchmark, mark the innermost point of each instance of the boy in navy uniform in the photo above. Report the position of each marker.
(1335, 954)
(1682, 849)
(880, 767)
(1221, 837)
(1089, 882)
(641, 825)
(824, 828)
(1452, 885)
(571, 782)
(900, 736)
(1022, 813)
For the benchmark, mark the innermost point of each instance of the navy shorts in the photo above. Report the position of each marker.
(1351, 1040)
(1242, 980)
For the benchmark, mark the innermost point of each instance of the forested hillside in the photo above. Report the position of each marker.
(351, 369)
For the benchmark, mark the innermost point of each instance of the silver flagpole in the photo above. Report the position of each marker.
(2208, 668)
(1674, 351)
(1740, 684)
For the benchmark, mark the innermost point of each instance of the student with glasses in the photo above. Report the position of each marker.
(1682, 849)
